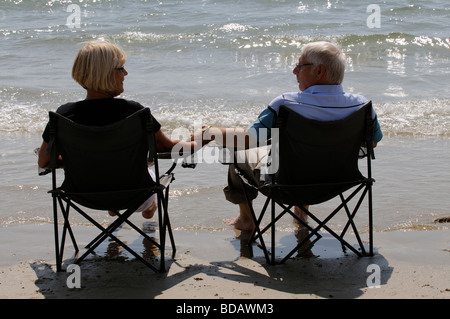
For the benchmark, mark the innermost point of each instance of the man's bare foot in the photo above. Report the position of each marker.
(150, 211)
(241, 224)
(245, 220)
(301, 214)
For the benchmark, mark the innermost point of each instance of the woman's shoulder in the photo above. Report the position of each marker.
(66, 108)
(129, 103)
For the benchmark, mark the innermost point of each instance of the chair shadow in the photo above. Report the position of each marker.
(110, 272)
(323, 269)
(338, 275)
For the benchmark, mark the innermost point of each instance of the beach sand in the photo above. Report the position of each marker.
(219, 265)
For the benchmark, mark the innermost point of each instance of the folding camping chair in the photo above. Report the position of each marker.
(317, 161)
(106, 168)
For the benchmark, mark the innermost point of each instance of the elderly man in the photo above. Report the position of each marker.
(319, 73)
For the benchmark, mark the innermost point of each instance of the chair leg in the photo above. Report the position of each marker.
(67, 227)
(257, 221)
(350, 217)
(162, 213)
(312, 232)
(370, 220)
(169, 226)
(55, 231)
(60, 244)
(257, 231)
(164, 225)
(323, 224)
(367, 191)
(334, 234)
(272, 216)
(108, 232)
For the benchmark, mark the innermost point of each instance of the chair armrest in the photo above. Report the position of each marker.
(44, 171)
(170, 156)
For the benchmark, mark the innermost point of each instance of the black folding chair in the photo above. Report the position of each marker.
(106, 168)
(317, 161)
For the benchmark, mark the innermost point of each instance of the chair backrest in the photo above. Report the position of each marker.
(104, 158)
(312, 151)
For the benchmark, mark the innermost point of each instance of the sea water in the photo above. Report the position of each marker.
(220, 63)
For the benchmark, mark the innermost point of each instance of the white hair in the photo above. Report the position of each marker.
(329, 55)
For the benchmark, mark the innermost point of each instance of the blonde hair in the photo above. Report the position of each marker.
(94, 65)
(329, 55)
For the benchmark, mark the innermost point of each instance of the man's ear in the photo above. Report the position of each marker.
(321, 69)
(321, 73)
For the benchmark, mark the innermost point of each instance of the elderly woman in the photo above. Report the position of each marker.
(99, 69)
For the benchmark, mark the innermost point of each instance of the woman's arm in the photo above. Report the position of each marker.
(165, 144)
(43, 157)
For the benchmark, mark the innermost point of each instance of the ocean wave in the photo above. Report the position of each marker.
(26, 110)
(415, 118)
(418, 118)
(240, 35)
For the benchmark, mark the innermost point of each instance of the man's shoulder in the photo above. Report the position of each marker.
(283, 99)
(355, 99)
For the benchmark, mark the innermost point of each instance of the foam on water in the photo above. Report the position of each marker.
(19, 114)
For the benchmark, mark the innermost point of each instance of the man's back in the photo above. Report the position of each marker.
(318, 102)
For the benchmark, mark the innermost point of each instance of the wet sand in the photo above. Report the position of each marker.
(219, 265)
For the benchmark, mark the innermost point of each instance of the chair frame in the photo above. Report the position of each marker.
(64, 202)
(363, 187)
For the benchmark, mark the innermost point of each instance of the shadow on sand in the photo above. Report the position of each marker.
(209, 262)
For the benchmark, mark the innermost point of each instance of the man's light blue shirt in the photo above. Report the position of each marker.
(319, 102)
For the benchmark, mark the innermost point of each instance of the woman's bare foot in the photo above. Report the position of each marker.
(147, 213)
(112, 213)
(150, 211)
(301, 214)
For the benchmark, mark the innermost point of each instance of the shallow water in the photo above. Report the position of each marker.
(411, 188)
